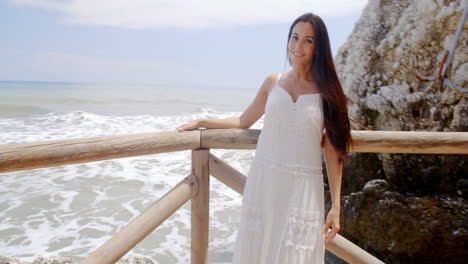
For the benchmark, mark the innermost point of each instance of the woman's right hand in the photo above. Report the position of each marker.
(194, 124)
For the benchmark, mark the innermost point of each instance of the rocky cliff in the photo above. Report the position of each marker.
(406, 208)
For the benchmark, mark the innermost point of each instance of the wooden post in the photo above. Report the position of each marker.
(200, 206)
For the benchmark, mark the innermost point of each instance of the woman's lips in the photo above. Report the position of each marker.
(298, 54)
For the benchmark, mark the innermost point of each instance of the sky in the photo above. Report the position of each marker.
(198, 42)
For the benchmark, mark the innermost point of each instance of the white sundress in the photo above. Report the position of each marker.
(282, 214)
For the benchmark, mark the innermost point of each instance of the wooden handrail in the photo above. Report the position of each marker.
(122, 242)
(417, 142)
(227, 174)
(23, 156)
(350, 252)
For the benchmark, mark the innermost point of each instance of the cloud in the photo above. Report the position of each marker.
(197, 14)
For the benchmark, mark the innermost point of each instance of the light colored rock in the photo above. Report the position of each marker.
(52, 260)
(8, 260)
(382, 44)
(62, 260)
(138, 260)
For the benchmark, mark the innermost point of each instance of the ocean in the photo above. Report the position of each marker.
(73, 209)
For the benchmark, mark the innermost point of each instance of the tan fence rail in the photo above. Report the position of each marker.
(195, 187)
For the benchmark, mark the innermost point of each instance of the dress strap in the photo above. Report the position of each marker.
(279, 77)
(276, 84)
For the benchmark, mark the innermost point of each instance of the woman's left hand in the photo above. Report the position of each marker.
(333, 221)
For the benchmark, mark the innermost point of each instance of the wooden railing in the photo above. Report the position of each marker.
(195, 187)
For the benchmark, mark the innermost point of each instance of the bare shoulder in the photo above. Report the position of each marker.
(269, 82)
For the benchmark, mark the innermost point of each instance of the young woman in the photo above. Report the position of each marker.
(282, 215)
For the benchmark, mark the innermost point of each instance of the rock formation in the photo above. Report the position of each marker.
(374, 66)
(405, 208)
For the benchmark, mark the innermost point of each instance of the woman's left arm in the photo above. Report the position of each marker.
(334, 172)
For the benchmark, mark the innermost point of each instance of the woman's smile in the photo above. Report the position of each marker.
(298, 54)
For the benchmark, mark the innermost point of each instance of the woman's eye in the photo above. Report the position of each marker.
(310, 41)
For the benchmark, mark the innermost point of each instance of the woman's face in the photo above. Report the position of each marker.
(301, 45)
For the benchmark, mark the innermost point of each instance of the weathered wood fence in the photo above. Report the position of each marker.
(195, 187)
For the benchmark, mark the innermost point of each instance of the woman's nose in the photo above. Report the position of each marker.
(298, 46)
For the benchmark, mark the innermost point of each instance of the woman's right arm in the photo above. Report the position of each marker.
(253, 112)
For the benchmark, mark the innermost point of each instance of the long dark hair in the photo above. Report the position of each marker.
(334, 101)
